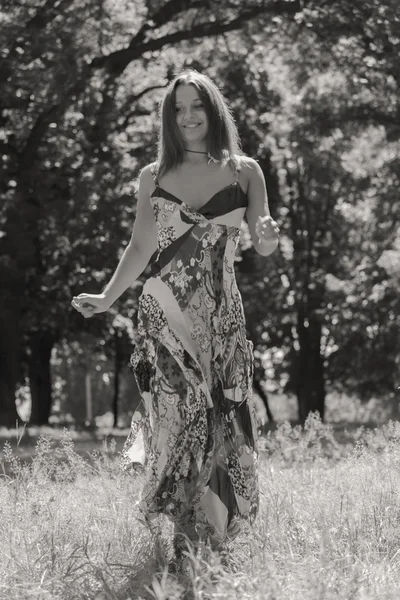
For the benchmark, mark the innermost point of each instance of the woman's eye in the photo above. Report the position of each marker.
(195, 107)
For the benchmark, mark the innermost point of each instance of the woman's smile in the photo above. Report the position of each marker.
(192, 127)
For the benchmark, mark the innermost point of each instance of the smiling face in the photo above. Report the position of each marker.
(194, 116)
(191, 116)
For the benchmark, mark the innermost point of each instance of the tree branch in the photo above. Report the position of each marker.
(52, 113)
(135, 111)
(44, 15)
(116, 62)
(145, 91)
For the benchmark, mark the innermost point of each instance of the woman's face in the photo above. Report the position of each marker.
(190, 114)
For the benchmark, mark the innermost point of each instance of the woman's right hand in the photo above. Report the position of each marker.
(90, 304)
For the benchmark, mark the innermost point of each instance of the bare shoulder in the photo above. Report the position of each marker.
(147, 179)
(250, 167)
(250, 171)
(147, 174)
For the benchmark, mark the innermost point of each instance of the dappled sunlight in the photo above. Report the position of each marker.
(313, 89)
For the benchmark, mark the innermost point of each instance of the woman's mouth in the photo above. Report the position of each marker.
(192, 126)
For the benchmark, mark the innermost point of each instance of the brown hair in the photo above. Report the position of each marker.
(222, 138)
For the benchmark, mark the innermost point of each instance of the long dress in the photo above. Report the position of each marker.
(194, 366)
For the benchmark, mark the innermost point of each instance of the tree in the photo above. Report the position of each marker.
(62, 55)
(77, 112)
(314, 118)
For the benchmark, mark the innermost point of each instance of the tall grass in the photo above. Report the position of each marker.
(328, 528)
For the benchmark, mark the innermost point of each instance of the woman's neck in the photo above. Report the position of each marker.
(196, 157)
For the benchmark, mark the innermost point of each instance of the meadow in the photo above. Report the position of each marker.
(328, 527)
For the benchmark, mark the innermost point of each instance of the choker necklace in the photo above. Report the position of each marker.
(196, 151)
(210, 158)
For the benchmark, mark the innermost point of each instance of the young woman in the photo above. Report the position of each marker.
(192, 361)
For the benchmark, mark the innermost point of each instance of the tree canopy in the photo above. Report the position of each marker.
(314, 87)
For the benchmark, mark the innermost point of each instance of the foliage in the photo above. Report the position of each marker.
(314, 89)
(332, 181)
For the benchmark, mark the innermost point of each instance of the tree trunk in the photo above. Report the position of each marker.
(9, 360)
(310, 380)
(261, 392)
(41, 344)
(117, 373)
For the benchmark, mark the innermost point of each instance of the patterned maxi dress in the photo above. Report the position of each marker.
(195, 430)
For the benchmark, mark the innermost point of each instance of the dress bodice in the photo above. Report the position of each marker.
(181, 228)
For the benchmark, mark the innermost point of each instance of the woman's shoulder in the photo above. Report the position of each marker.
(149, 172)
(248, 168)
(147, 179)
(246, 163)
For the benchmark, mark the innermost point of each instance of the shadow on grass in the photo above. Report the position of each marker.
(141, 582)
(157, 581)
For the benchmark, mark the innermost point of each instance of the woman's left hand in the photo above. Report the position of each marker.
(267, 230)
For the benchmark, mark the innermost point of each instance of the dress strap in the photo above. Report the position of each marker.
(153, 169)
(236, 166)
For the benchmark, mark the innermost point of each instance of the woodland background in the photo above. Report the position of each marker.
(315, 89)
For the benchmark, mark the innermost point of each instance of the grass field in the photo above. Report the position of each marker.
(328, 528)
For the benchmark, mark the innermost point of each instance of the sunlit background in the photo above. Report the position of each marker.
(314, 88)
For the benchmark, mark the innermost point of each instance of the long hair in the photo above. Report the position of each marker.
(222, 137)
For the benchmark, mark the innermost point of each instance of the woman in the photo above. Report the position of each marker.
(192, 362)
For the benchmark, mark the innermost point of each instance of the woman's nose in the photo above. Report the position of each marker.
(188, 113)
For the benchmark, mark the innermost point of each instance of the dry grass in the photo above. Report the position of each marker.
(328, 528)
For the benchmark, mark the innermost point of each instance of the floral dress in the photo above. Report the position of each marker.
(195, 430)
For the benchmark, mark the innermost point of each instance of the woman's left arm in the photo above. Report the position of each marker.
(264, 230)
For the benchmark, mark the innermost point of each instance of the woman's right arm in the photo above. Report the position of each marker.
(141, 247)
